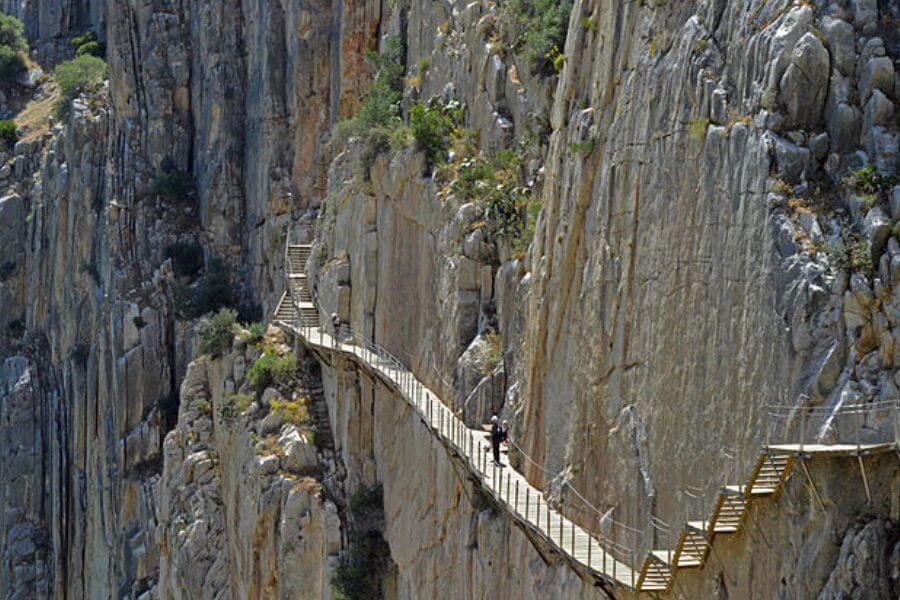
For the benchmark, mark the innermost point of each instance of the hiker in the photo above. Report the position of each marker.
(335, 323)
(497, 436)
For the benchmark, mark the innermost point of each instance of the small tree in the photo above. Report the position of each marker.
(217, 332)
(9, 135)
(11, 64)
(12, 33)
(83, 74)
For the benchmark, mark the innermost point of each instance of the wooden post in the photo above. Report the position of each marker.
(549, 525)
(560, 529)
(590, 540)
(573, 538)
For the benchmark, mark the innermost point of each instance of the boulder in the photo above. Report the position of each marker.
(877, 74)
(804, 85)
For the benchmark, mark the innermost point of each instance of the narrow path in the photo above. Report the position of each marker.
(595, 555)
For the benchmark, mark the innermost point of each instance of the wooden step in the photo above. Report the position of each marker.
(739, 490)
(684, 562)
(720, 528)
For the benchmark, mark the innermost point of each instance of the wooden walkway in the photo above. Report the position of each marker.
(592, 554)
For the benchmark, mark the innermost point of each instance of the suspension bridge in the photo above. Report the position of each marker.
(612, 553)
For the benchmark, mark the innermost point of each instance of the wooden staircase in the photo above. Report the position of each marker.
(297, 256)
(729, 515)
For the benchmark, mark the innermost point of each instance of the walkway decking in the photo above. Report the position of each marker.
(592, 554)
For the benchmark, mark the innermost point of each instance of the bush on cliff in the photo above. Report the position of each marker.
(12, 33)
(12, 47)
(271, 370)
(173, 184)
(540, 28)
(87, 43)
(82, 75)
(217, 332)
(11, 64)
(432, 124)
(210, 294)
(379, 123)
(360, 573)
(9, 134)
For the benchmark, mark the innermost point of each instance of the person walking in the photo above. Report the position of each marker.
(497, 436)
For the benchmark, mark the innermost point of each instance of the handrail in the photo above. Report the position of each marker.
(441, 418)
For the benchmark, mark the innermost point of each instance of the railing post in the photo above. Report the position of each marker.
(549, 525)
(507, 487)
(538, 512)
(478, 457)
(590, 543)
(560, 528)
(527, 500)
(573, 538)
(603, 556)
(802, 428)
(516, 501)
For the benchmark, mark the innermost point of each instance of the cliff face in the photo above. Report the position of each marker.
(698, 249)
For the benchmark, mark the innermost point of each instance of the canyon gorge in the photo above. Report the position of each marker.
(656, 238)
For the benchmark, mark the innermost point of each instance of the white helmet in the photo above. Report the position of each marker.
(494, 419)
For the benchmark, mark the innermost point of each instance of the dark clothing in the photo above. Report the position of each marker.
(497, 436)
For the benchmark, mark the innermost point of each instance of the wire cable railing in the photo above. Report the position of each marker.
(622, 550)
(860, 426)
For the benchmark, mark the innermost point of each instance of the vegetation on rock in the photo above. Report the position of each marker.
(217, 332)
(271, 370)
(187, 258)
(9, 134)
(432, 124)
(539, 32)
(210, 294)
(82, 75)
(12, 46)
(379, 123)
(173, 184)
(87, 43)
(360, 572)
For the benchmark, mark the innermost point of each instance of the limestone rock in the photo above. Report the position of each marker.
(804, 85)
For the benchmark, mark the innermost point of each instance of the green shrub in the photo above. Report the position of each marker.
(271, 370)
(85, 38)
(697, 130)
(210, 294)
(174, 184)
(379, 117)
(12, 33)
(291, 411)
(432, 123)
(87, 43)
(187, 258)
(360, 572)
(15, 328)
(539, 32)
(869, 181)
(257, 332)
(202, 405)
(11, 64)
(496, 183)
(7, 269)
(90, 49)
(81, 75)
(234, 405)
(217, 332)
(9, 134)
